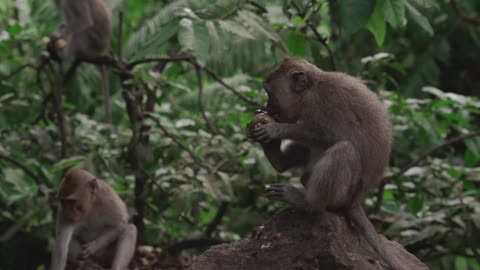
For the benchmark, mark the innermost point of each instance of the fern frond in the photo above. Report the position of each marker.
(164, 15)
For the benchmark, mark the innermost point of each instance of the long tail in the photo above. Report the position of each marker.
(357, 215)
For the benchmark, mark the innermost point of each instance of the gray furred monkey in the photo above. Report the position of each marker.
(84, 33)
(92, 224)
(341, 137)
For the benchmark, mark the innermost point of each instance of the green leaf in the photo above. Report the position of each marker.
(297, 45)
(415, 204)
(394, 11)
(15, 29)
(419, 18)
(194, 36)
(376, 24)
(186, 35)
(355, 14)
(235, 28)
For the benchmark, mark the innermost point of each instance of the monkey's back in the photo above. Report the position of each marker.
(349, 111)
(95, 39)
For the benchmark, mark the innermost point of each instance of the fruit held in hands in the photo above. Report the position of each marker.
(260, 119)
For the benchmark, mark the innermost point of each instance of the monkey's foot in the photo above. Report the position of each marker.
(287, 194)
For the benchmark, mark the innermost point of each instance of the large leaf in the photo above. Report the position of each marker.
(297, 45)
(194, 36)
(235, 28)
(419, 18)
(394, 11)
(355, 14)
(376, 24)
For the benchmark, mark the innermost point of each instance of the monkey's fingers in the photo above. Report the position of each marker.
(261, 135)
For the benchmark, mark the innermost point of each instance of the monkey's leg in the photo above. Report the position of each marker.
(334, 178)
(331, 181)
(125, 248)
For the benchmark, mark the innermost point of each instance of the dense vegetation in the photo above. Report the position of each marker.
(187, 170)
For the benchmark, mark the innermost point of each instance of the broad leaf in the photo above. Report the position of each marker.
(394, 11)
(355, 14)
(376, 24)
(419, 18)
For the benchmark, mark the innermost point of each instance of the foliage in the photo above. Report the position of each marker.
(417, 55)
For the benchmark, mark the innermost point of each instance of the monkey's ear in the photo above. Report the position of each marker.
(93, 185)
(300, 81)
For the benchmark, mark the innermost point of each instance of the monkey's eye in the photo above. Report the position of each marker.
(67, 202)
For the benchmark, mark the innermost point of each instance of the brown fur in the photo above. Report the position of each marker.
(92, 223)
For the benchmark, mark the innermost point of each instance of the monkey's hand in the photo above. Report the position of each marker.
(266, 133)
(89, 249)
(287, 194)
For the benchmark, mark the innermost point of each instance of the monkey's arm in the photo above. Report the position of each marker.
(292, 131)
(294, 155)
(62, 241)
(103, 241)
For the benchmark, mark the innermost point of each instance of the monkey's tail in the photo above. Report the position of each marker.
(359, 218)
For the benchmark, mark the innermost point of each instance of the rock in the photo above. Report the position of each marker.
(291, 240)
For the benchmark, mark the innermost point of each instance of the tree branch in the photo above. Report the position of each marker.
(415, 162)
(39, 180)
(222, 210)
(462, 16)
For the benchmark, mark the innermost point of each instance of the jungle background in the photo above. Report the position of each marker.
(190, 80)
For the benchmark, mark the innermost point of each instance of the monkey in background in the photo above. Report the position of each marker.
(341, 137)
(84, 33)
(92, 224)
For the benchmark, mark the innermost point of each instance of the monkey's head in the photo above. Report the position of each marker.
(286, 87)
(77, 194)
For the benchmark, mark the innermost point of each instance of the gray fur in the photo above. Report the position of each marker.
(341, 137)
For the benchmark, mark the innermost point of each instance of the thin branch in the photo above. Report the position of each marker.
(388, 179)
(235, 92)
(120, 35)
(39, 180)
(465, 18)
(18, 70)
(173, 138)
(415, 162)
(222, 210)
(57, 90)
(174, 58)
(200, 99)
(323, 41)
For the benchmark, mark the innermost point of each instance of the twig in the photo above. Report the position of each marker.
(174, 139)
(120, 35)
(235, 92)
(390, 178)
(222, 210)
(174, 58)
(465, 18)
(39, 180)
(323, 41)
(57, 90)
(18, 70)
(319, 37)
(200, 99)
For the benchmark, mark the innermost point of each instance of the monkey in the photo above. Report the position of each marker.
(339, 135)
(92, 224)
(84, 33)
